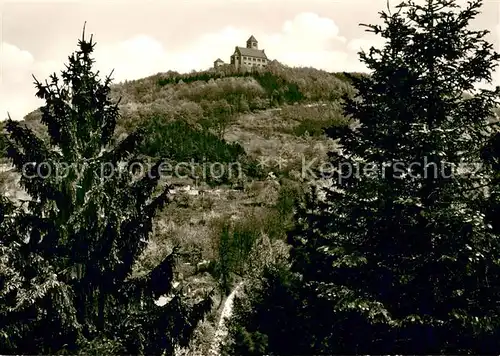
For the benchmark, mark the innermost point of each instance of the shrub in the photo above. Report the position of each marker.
(267, 316)
(234, 240)
(3, 142)
(183, 142)
(313, 120)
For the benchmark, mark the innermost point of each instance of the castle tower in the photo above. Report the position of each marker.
(252, 43)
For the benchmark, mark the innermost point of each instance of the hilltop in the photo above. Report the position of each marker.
(231, 104)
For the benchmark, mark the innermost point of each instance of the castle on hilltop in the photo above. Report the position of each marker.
(246, 57)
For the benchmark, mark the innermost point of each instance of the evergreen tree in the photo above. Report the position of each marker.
(274, 316)
(66, 280)
(403, 260)
(3, 141)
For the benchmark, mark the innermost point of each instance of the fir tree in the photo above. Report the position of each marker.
(276, 315)
(3, 141)
(65, 271)
(403, 260)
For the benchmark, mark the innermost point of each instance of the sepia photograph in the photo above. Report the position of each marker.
(249, 177)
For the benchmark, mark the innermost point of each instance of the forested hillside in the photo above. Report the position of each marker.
(260, 123)
(180, 190)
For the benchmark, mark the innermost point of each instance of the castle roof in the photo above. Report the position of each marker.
(219, 60)
(252, 39)
(251, 52)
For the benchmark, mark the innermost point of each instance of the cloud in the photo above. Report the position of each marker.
(14, 66)
(134, 58)
(305, 40)
(17, 91)
(14, 62)
(309, 40)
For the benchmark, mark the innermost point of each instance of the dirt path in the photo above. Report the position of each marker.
(227, 311)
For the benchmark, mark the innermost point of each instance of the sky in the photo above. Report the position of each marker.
(144, 37)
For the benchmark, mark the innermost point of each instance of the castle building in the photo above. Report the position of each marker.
(247, 57)
(218, 62)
